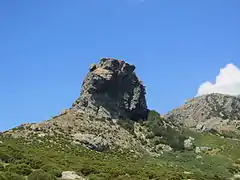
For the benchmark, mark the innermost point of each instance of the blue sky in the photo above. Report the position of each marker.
(47, 46)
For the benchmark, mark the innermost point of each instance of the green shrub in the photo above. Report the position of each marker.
(127, 124)
(158, 130)
(101, 176)
(87, 169)
(233, 169)
(5, 157)
(34, 163)
(1, 167)
(150, 135)
(41, 175)
(10, 176)
(21, 169)
(52, 169)
(15, 177)
(3, 176)
(174, 139)
(168, 135)
(14, 152)
(153, 116)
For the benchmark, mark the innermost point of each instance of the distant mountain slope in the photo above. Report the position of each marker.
(208, 112)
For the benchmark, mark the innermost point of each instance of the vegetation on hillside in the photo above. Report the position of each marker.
(47, 157)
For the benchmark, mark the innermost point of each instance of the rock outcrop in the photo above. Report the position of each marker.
(212, 112)
(111, 89)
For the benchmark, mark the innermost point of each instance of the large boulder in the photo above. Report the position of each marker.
(111, 89)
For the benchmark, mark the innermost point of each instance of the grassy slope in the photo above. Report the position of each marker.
(49, 156)
(19, 157)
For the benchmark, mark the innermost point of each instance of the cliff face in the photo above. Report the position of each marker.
(209, 112)
(111, 89)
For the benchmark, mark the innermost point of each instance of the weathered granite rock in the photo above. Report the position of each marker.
(71, 175)
(164, 147)
(188, 143)
(202, 149)
(92, 141)
(111, 89)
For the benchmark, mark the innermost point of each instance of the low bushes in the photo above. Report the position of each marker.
(1, 167)
(157, 128)
(10, 176)
(41, 175)
(21, 169)
(52, 169)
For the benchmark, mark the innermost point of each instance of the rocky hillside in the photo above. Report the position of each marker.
(212, 112)
(152, 136)
(47, 157)
(110, 134)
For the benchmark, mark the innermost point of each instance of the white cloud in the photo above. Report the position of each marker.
(227, 82)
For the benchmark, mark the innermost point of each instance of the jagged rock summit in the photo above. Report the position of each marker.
(112, 90)
(218, 112)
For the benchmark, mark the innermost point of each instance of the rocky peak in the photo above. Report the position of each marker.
(111, 89)
(207, 112)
